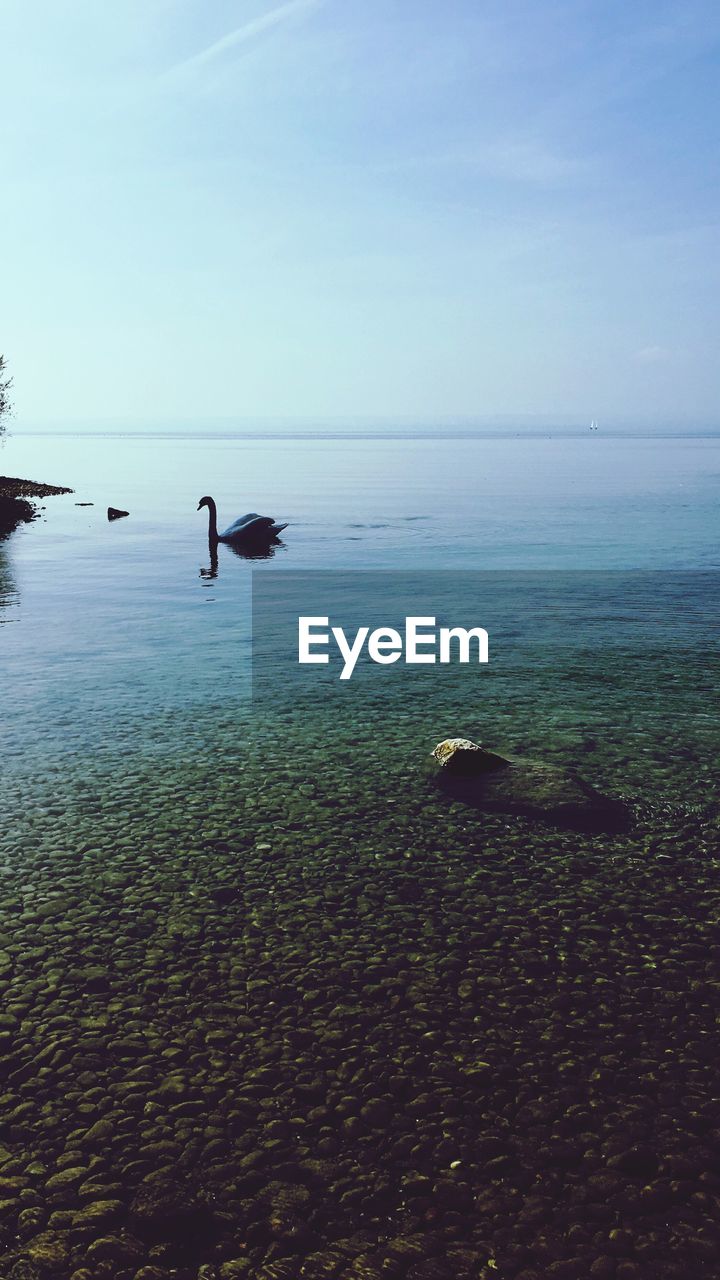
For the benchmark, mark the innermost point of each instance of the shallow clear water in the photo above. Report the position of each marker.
(370, 1027)
(119, 614)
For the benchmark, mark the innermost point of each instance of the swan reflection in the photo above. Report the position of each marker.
(261, 550)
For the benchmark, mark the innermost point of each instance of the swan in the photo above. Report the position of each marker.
(251, 527)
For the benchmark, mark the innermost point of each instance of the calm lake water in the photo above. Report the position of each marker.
(108, 624)
(127, 610)
(318, 1010)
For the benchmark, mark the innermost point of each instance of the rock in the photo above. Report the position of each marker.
(638, 1161)
(465, 758)
(93, 978)
(66, 1178)
(161, 1213)
(377, 1113)
(13, 487)
(100, 1214)
(59, 905)
(11, 1187)
(15, 511)
(173, 1086)
(31, 1221)
(495, 783)
(603, 1268)
(621, 1241)
(118, 1249)
(49, 1252)
(114, 513)
(24, 1270)
(14, 507)
(97, 1134)
(225, 894)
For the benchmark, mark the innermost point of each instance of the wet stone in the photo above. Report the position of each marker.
(455, 1040)
(98, 1215)
(638, 1162)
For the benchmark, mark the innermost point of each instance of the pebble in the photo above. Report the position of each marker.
(249, 1040)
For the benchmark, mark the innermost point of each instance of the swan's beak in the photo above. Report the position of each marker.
(198, 506)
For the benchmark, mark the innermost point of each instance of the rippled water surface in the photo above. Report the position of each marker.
(274, 1006)
(113, 615)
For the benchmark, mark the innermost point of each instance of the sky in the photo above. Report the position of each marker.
(220, 211)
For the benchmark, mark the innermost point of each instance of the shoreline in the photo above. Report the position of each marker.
(15, 505)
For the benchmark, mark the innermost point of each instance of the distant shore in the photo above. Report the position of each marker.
(15, 505)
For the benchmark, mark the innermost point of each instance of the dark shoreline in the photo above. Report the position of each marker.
(15, 507)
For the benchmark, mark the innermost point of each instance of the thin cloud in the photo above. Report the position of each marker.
(530, 162)
(513, 161)
(247, 32)
(653, 355)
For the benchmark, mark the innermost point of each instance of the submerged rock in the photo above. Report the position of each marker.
(460, 756)
(486, 780)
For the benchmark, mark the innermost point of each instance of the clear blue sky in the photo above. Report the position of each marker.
(229, 209)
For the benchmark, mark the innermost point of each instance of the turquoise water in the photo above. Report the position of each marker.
(116, 619)
(330, 1022)
(128, 607)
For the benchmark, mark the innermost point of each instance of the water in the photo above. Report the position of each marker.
(110, 619)
(261, 919)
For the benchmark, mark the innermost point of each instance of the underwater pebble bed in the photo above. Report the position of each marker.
(274, 1008)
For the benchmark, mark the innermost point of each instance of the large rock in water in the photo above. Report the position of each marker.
(502, 784)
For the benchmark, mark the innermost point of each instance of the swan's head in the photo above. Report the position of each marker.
(204, 502)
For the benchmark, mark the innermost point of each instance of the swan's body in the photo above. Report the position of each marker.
(251, 523)
(249, 528)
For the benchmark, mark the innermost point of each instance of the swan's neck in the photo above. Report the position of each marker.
(212, 527)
